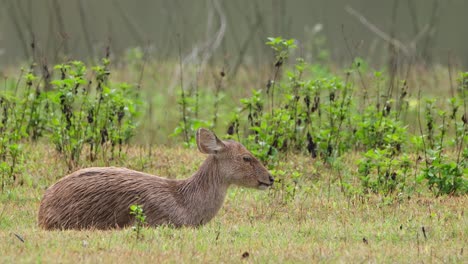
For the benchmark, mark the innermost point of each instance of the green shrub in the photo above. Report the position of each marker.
(81, 115)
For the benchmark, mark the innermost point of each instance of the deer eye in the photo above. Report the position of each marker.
(247, 158)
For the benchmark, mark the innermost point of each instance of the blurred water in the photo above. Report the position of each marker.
(434, 29)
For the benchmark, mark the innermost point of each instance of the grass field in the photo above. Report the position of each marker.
(321, 223)
(370, 166)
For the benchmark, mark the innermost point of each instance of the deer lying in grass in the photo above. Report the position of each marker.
(100, 197)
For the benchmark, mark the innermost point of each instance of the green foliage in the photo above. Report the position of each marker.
(305, 109)
(325, 117)
(68, 111)
(463, 83)
(18, 118)
(379, 129)
(383, 172)
(140, 219)
(382, 169)
(287, 185)
(443, 174)
(282, 47)
(329, 125)
(95, 117)
(189, 122)
(312, 116)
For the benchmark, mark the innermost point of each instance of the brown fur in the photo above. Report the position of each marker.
(100, 197)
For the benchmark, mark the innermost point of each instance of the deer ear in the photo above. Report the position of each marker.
(207, 142)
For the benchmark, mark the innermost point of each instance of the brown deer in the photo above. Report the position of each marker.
(100, 198)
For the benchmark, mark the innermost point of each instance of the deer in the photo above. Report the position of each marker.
(100, 197)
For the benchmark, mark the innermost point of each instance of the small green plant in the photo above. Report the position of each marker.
(379, 130)
(189, 106)
(287, 185)
(330, 126)
(100, 117)
(282, 48)
(189, 109)
(140, 219)
(189, 122)
(381, 171)
(16, 108)
(445, 174)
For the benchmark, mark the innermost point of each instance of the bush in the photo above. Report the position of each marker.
(96, 117)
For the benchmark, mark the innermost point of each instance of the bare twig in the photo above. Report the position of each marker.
(449, 67)
(202, 53)
(211, 47)
(111, 45)
(84, 27)
(413, 15)
(418, 37)
(380, 33)
(27, 17)
(16, 23)
(433, 21)
(218, 87)
(142, 70)
(392, 52)
(51, 43)
(352, 57)
(133, 28)
(61, 25)
(421, 129)
(182, 94)
(243, 48)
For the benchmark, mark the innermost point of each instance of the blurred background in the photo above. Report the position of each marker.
(431, 31)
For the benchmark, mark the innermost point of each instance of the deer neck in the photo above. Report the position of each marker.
(204, 192)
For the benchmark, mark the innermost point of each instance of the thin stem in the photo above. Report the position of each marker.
(420, 128)
(182, 94)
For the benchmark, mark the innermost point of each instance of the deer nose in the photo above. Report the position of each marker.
(271, 178)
